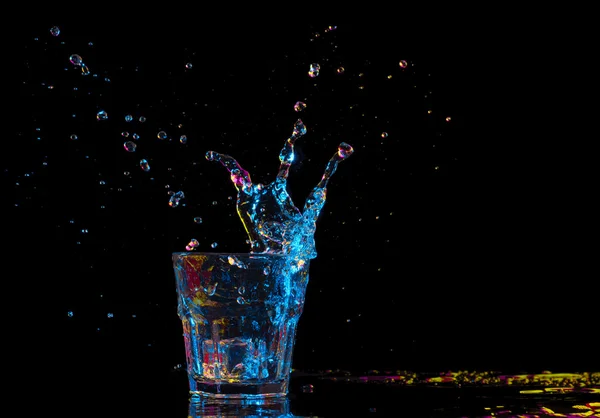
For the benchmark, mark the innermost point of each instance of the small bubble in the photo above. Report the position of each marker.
(162, 135)
(197, 220)
(76, 60)
(70, 314)
(128, 118)
(384, 134)
(110, 315)
(84, 231)
(188, 66)
(340, 70)
(135, 136)
(142, 119)
(241, 300)
(211, 289)
(101, 115)
(448, 118)
(144, 165)
(175, 199)
(241, 290)
(264, 373)
(299, 106)
(214, 203)
(403, 64)
(129, 146)
(313, 70)
(85, 69)
(73, 137)
(266, 271)
(332, 27)
(125, 134)
(183, 139)
(213, 245)
(55, 31)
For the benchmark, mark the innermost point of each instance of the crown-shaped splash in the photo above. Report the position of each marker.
(272, 222)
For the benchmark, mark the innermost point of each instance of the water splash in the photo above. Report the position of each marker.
(272, 222)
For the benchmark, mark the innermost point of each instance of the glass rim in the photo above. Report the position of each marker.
(237, 254)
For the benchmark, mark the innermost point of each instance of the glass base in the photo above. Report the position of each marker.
(227, 390)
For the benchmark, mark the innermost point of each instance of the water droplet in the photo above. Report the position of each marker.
(197, 220)
(142, 119)
(74, 137)
(241, 300)
(384, 134)
(129, 146)
(162, 135)
(313, 70)
(341, 70)
(213, 245)
(175, 199)
(128, 118)
(183, 139)
(403, 64)
(299, 106)
(144, 165)
(76, 60)
(101, 115)
(345, 150)
(192, 245)
(211, 289)
(241, 290)
(55, 31)
(308, 388)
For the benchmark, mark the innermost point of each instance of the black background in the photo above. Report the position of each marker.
(460, 244)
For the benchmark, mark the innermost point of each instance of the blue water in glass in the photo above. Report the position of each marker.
(239, 315)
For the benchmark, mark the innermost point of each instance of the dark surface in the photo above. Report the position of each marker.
(483, 263)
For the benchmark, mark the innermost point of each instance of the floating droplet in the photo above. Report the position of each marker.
(125, 134)
(241, 300)
(403, 64)
(308, 388)
(188, 66)
(175, 199)
(340, 70)
(135, 136)
(101, 115)
(192, 245)
(73, 137)
(162, 135)
(299, 106)
(144, 165)
(213, 245)
(129, 146)
(85, 69)
(384, 134)
(110, 315)
(313, 70)
(128, 118)
(76, 60)
(55, 31)
(142, 119)
(183, 139)
(197, 220)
